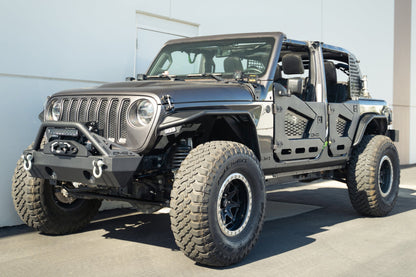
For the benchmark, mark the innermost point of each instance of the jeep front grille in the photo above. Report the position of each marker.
(109, 113)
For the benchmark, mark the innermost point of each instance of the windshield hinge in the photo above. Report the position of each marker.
(167, 101)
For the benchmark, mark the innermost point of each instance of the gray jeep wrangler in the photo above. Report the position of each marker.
(203, 132)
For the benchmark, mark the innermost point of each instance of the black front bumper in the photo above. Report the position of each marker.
(117, 163)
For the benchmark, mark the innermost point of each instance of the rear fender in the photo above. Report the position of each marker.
(370, 124)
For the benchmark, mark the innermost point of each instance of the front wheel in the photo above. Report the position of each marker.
(373, 176)
(47, 207)
(218, 203)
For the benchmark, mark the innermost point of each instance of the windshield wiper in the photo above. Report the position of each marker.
(216, 76)
(170, 77)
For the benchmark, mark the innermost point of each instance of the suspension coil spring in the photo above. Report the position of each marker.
(179, 155)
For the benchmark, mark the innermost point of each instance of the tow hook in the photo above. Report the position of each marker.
(97, 169)
(27, 161)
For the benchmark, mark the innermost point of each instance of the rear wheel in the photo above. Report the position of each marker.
(218, 203)
(48, 208)
(373, 176)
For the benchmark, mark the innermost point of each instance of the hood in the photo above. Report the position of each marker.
(179, 91)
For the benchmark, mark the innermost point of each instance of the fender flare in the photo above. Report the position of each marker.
(364, 122)
(190, 116)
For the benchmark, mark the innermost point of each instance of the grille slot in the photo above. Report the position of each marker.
(73, 111)
(91, 110)
(102, 114)
(109, 113)
(112, 126)
(83, 113)
(123, 116)
(65, 110)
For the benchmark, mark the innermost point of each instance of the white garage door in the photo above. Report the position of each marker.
(152, 32)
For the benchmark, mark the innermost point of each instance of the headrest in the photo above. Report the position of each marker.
(278, 73)
(330, 73)
(292, 64)
(233, 64)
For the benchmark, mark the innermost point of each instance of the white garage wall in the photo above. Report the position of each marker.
(155, 30)
(412, 150)
(22, 101)
(48, 46)
(369, 35)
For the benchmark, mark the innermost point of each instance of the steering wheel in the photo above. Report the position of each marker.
(253, 70)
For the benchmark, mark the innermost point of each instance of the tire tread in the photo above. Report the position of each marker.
(189, 202)
(29, 201)
(361, 176)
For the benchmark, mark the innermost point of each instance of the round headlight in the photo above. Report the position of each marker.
(145, 111)
(56, 110)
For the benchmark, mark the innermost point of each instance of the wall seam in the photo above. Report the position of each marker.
(49, 78)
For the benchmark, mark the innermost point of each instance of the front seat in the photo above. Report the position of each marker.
(292, 64)
(233, 64)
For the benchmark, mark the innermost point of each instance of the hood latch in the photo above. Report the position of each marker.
(167, 101)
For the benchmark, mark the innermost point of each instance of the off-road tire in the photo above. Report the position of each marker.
(369, 167)
(37, 206)
(196, 213)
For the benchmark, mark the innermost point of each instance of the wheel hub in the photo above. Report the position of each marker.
(234, 204)
(385, 176)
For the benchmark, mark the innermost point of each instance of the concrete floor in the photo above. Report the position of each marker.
(311, 230)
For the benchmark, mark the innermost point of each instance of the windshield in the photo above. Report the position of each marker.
(219, 57)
